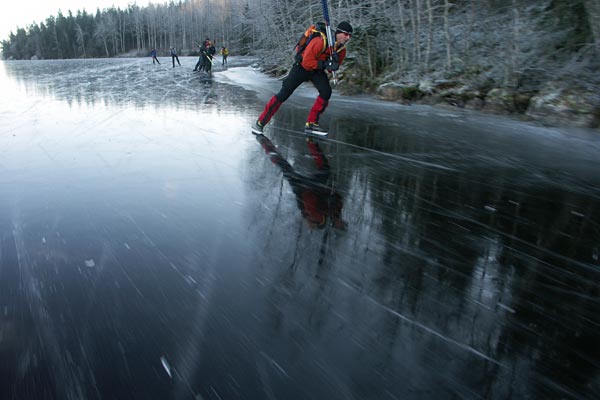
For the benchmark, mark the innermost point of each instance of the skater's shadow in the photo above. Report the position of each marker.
(316, 197)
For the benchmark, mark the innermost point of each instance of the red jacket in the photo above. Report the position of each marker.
(314, 53)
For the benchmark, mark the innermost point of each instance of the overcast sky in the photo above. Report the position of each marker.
(21, 13)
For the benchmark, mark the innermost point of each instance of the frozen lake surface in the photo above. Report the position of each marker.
(152, 247)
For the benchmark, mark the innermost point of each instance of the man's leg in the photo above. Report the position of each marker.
(321, 82)
(294, 79)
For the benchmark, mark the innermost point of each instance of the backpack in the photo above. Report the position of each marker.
(312, 32)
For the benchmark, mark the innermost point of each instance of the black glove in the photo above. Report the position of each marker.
(329, 65)
(332, 65)
(335, 57)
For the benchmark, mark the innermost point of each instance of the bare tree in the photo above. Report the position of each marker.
(103, 34)
(593, 12)
(401, 36)
(513, 46)
(80, 38)
(447, 6)
(429, 34)
(138, 27)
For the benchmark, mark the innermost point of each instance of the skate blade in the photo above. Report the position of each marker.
(316, 133)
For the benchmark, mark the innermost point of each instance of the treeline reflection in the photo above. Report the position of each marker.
(124, 82)
(495, 261)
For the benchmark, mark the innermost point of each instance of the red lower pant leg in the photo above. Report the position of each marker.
(317, 109)
(270, 110)
(317, 155)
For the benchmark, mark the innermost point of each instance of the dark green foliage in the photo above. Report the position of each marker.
(366, 58)
(410, 93)
(521, 101)
(373, 47)
(566, 25)
(56, 38)
(596, 122)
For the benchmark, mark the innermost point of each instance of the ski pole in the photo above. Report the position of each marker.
(329, 35)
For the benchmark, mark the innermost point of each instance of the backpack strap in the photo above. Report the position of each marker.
(340, 48)
(323, 36)
(305, 39)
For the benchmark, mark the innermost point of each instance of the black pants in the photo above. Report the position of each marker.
(297, 76)
(199, 64)
(175, 58)
(207, 63)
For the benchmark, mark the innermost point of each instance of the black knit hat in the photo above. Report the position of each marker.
(345, 27)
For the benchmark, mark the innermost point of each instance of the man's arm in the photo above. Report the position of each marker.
(310, 58)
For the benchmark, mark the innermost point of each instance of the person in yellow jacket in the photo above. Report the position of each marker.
(224, 52)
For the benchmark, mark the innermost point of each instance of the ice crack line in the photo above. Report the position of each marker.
(429, 330)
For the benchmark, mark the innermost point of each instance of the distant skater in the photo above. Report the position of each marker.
(224, 53)
(200, 64)
(207, 52)
(154, 59)
(174, 56)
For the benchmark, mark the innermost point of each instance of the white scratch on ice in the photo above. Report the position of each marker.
(426, 328)
(166, 366)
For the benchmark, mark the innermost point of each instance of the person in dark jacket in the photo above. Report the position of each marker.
(208, 52)
(200, 64)
(154, 59)
(316, 59)
(174, 56)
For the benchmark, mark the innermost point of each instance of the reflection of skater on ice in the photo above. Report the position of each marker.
(316, 198)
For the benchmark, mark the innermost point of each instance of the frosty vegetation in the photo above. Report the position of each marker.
(538, 58)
